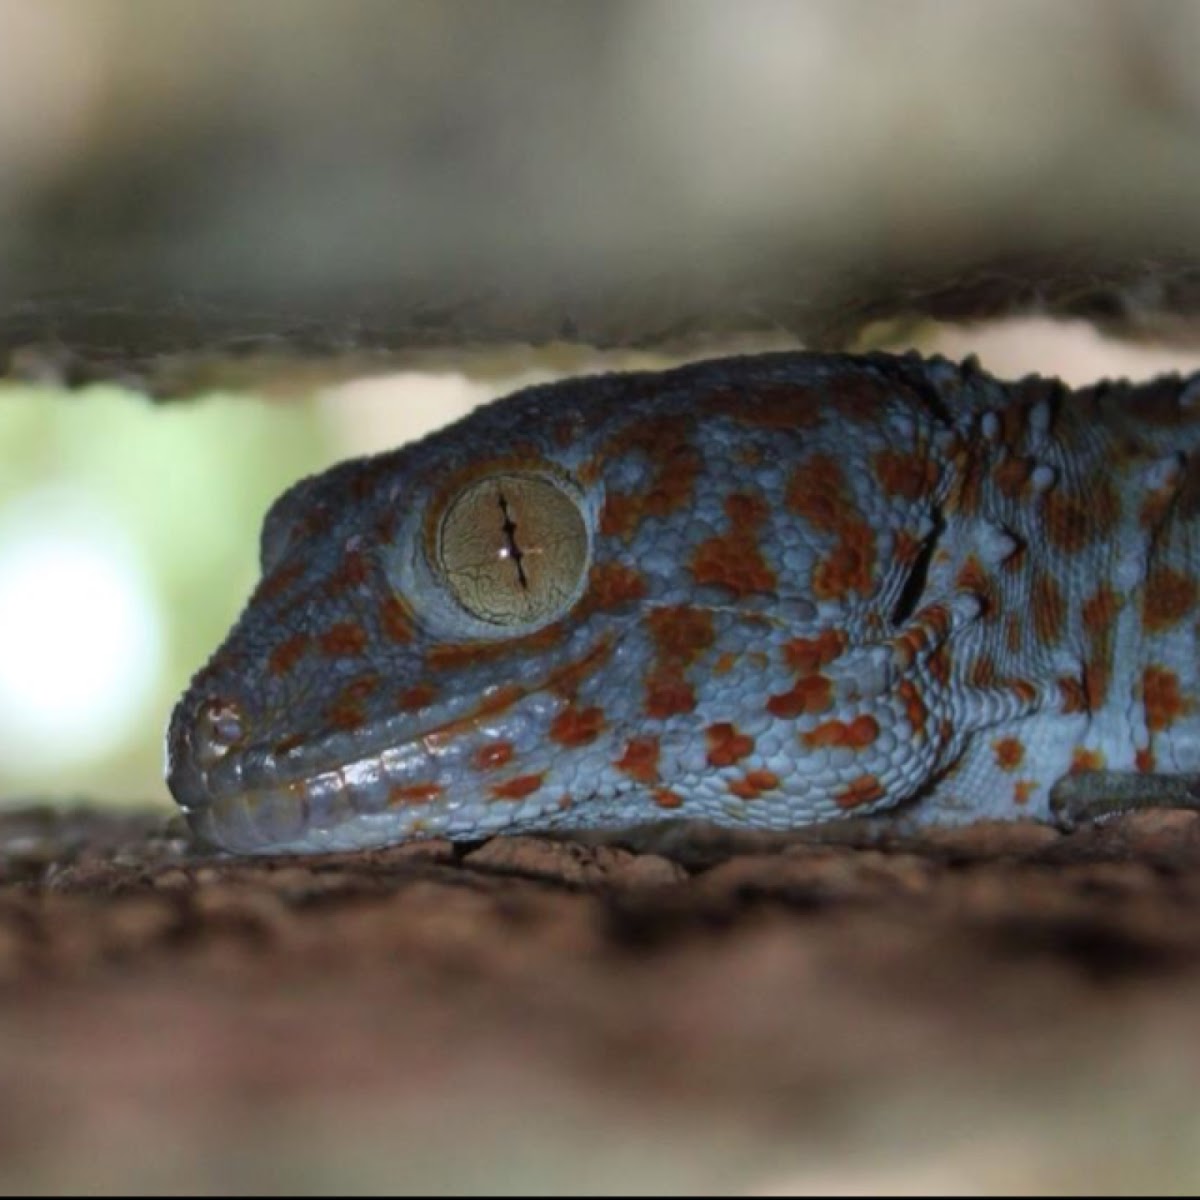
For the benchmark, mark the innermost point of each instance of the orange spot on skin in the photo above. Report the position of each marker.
(857, 734)
(361, 688)
(566, 431)
(1011, 476)
(420, 695)
(810, 695)
(754, 784)
(1096, 677)
(726, 745)
(1155, 506)
(1168, 597)
(866, 789)
(640, 760)
(612, 585)
(1073, 694)
(807, 656)
(272, 586)
(315, 524)
(347, 712)
(395, 620)
(733, 560)
(907, 548)
(1023, 689)
(287, 654)
(725, 663)
(1010, 754)
(914, 707)
(351, 571)
(1014, 634)
(577, 726)
(818, 492)
(1086, 760)
(387, 525)
(966, 497)
(941, 664)
(905, 476)
(983, 672)
(746, 509)
(1074, 522)
(493, 756)
(667, 696)
(414, 793)
(1101, 611)
(665, 798)
(1144, 761)
(667, 443)
(1099, 614)
(621, 515)
(930, 626)
(343, 640)
(850, 565)
(1049, 609)
(1162, 697)
(1023, 791)
(518, 788)
(680, 635)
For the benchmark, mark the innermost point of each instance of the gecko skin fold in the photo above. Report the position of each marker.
(765, 592)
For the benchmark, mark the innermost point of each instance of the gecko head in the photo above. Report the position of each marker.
(584, 605)
(422, 622)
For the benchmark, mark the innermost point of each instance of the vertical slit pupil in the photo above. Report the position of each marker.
(510, 536)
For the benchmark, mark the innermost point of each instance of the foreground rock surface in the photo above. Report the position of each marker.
(1006, 1007)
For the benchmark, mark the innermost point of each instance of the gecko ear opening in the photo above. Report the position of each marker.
(913, 591)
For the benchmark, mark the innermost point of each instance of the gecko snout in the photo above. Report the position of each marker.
(205, 729)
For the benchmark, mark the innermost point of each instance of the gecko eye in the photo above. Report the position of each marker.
(513, 549)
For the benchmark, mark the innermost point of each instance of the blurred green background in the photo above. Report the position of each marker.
(126, 544)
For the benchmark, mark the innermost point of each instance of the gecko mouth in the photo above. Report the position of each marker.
(341, 792)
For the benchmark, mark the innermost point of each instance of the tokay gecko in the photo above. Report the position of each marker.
(765, 592)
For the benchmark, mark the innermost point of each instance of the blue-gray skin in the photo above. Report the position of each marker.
(765, 592)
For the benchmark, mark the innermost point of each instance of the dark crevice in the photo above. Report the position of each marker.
(910, 596)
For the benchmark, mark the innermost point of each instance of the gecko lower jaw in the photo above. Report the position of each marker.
(247, 803)
(342, 791)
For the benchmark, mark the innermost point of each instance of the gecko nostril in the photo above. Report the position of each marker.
(219, 728)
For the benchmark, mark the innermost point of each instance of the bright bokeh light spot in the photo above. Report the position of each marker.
(80, 636)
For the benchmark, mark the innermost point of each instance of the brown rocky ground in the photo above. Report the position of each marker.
(1005, 1008)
